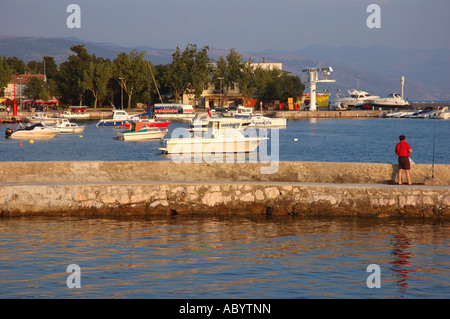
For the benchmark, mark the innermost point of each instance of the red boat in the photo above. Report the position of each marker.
(148, 122)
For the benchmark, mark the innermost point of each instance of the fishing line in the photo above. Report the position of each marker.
(434, 147)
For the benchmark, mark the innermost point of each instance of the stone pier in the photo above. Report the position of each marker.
(165, 187)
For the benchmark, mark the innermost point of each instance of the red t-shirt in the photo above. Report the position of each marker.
(402, 149)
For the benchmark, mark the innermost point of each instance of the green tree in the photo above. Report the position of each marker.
(36, 89)
(247, 81)
(229, 70)
(189, 70)
(96, 78)
(276, 84)
(17, 65)
(131, 73)
(48, 67)
(71, 72)
(201, 72)
(292, 86)
(6, 73)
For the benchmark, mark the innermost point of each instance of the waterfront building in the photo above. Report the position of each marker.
(214, 93)
(19, 83)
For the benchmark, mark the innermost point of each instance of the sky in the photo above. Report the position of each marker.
(246, 25)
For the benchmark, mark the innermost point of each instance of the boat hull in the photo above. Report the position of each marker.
(78, 129)
(43, 120)
(267, 122)
(33, 135)
(138, 136)
(75, 116)
(111, 123)
(197, 145)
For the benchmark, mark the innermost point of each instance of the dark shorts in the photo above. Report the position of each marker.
(403, 162)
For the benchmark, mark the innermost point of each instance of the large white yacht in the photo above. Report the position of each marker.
(392, 100)
(355, 97)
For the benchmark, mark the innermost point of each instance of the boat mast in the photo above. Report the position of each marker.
(154, 81)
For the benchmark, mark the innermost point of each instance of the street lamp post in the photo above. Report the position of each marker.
(121, 93)
(20, 92)
(220, 93)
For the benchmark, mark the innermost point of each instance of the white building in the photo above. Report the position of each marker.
(19, 83)
(214, 94)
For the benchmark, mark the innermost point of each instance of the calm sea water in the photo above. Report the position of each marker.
(232, 257)
(223, 257)
(369, 140)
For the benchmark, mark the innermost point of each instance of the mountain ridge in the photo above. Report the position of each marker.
(379, 67)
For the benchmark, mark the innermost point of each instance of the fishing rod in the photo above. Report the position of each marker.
(432, 167)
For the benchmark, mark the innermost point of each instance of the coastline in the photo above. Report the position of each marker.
(104, 113)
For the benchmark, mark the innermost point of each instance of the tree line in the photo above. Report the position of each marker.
(85, 79)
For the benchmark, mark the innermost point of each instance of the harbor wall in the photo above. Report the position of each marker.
(326, 114)
(298, 188)
(285, 171)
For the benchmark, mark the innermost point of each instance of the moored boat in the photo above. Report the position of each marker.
(392, 100)
(264, 121)
(32, 131)
(220, 137)
(42, 117)
(76, 112)
(141, 131)
(443, 114)
(119, 117)
(65, 126)
(355, 97)
(174, 111)
(148, 119)
(200, 122)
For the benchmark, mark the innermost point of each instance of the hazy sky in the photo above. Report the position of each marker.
(247, 25)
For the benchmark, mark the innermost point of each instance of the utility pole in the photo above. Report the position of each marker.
(121, 93)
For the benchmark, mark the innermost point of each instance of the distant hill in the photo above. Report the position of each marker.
(379, 68)
(34, 48)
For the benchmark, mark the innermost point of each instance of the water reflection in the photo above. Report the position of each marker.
(221, 257)
(401, 262)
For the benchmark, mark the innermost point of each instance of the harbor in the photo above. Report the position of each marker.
(216, 168)
(106, 113)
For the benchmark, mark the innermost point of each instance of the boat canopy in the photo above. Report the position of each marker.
(148, 113)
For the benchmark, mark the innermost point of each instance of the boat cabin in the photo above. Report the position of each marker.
(218, 127)
(120, 115)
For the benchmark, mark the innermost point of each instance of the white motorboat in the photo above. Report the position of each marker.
(264, 121)
(241, 111)
(200, 122)
(443, 114)
(399, 114)
(392, 100)
(141, 131)
(354, 98)
(42, 117)
(119, 117)
(220, 137)
(65, 126)
(76, 112)
(31, 131)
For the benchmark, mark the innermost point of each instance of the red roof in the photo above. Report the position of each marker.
(24, 78)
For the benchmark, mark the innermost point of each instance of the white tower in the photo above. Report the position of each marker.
(313, 74)
(402, 82)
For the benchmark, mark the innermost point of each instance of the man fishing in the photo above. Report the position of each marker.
(402, 149)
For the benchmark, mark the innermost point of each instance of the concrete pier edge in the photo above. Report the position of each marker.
(168, 188)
